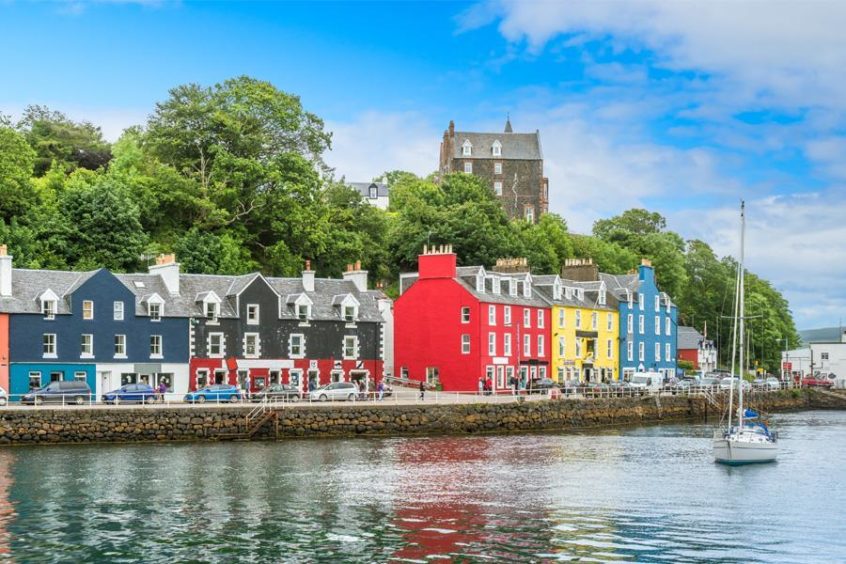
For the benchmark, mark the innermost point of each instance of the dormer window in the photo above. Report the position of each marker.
(303, 312)
(496, 148)
(373, 192)
(512, 287)
(527, 289)
(480, 282)
(350, 314)
(602, 297)
(348, 306)
(48, 308)
(568, 293)
(467, 148)
(212, 311)
(556, 290)
(629, 297)
(496, 285)
(155, 311)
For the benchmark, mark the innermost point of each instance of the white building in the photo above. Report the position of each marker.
(374, 193)
(825, 358)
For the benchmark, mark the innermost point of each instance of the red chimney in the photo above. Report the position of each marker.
(437, 262)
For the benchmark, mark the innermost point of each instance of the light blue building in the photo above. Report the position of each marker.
(648, 323)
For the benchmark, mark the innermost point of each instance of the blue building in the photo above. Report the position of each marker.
(96, 326)
(648, 323)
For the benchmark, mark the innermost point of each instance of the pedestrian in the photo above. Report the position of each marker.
(422, 390)
(247, 383)
(481, 386)
(514, 385)
(381, 389)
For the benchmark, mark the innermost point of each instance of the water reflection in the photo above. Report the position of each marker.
(647, 494)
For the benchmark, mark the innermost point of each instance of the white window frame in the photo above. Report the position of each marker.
(350, 345)
(465, 343)
(496, 148)
(657, 325)
(154, 310)
(630, 324)
(610, 322)
(506, 315)
(527, 318)
(529, 214)
(156, 346)
(594, 320)
(350, 313)
(468, 167)
(578, 319)
(89, 306)
(527, 345)
(34, 374)
(578, 348)
(492, 315)
(465, 315)
(641, 324)
(630, 351)
(467, 148)
(302, 345)
(256, 345)
(86, 351)
(506, 344)
(300, 316)
(491, 344)
(667, 326)
(641, 351)
(48, 346)
(118, 311)
(657, 352)
(498, 187)
(214, 311)
(609, 351)
(541, 346)
(253, 314)
(221, 345)
(562, 346)
(657, 303)
(667, 353)
(498, 167)
(120, 346)
(641, 299)
(48, 309)
(540, 319)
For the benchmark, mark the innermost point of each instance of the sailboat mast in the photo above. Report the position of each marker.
(735, 319)
(742, 316)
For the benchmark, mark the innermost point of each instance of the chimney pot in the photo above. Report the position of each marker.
(3, 250)
(358, 265)
(308, 264)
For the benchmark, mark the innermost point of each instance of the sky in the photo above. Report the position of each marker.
(684, 108)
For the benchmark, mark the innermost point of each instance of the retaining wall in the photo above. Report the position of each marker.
(208, 424)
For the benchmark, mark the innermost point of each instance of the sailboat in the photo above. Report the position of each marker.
(751, 440)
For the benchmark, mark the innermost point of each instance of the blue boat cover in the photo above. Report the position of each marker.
(749, 414)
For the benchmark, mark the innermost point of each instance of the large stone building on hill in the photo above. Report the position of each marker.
(511, 163)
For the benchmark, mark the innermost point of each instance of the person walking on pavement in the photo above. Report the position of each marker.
(481, 386)
(422, 390)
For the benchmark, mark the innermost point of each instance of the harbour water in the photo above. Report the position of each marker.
(646, 494)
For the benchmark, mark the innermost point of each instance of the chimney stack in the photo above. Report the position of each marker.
(5, 272)
(308, 277)
(580, 270)
(168, 269)
(511, 265)
(358, 276)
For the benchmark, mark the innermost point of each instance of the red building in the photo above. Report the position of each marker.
(454, 325)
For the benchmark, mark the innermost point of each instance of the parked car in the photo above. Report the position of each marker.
(540, 385)
(729, 383)
(4, 397)
(69, 391)
(278, 392)
(335, 391)
(711, 383)
(596, 389)
(818, 381)
(570, 386)
(773, 383)
(216, 392)
(131, 393)
(646, 381)
(619, 388)
(683, 386)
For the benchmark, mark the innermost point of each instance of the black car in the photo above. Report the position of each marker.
(278, 392)
(71, 391)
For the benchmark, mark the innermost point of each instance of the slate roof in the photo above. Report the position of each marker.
(27, 285)
(518, 146)
(364, 188)
(821, 335)
(689, 338)
(325, 291)
(466, 277)
(618, 283)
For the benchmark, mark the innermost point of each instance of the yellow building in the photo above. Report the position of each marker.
(584, 330)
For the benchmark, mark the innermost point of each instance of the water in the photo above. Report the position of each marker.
(646, 494)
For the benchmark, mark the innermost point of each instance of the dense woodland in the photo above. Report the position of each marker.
(231, 178)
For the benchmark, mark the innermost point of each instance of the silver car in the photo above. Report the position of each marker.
(729, 383)
(336, 391)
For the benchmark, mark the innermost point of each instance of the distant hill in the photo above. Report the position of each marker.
(822, 335)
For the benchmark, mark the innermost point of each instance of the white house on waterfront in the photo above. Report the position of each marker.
(824, 357)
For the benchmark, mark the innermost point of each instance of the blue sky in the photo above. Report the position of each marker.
(683, 108)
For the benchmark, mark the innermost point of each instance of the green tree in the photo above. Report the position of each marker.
(207, 253)
(57, 138)
(16, 163)
(546, 242)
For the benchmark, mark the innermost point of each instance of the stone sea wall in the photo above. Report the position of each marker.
(40, 426)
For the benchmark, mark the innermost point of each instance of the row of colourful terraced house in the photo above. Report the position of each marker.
(187, 331)
(459, 326)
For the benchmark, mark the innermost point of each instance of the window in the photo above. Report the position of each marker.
(541, 345)
(350, 347)
(86, 348)
(496, 148)
(468, 167)
(467, 148)
(657, 303)
(497, 168)
(373, 192)
(629, 297)
(640, 300)
(432, 375)
(578, 348)
(212, 311)
(609, 351)
(491, 315)
(498, 187)
(823, 356)
(562, 318)
(562, 346)
(640, 324)
(657, 325)
(529, 214)
(641, 352)
(578, 319)
(252, 314)
(120, 346)
(349, 314)
(602, 300)
(296, 346)
(155, 311)
(527, 345)
(118, 311)
(506, 315)
(155, 346)
(465, 315)
(630, 351)
(610, 321)
(667, 327)
(48, 308)
(251, 345)
(491, 344)
(594, 320)
(630, 324)
(216, 347)
(465, 344)
(506, 344)
(667, 354)
(48, 344)
(302, 312)
(87, 309)
(657, 352)
(540, 319)
(34, 380)
(527, 318)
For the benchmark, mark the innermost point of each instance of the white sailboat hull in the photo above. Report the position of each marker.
(740, 449)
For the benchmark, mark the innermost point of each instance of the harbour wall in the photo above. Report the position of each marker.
(62, 426)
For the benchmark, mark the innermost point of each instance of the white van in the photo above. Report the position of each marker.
(646, 381)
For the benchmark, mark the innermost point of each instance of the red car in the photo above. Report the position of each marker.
(818, 381)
